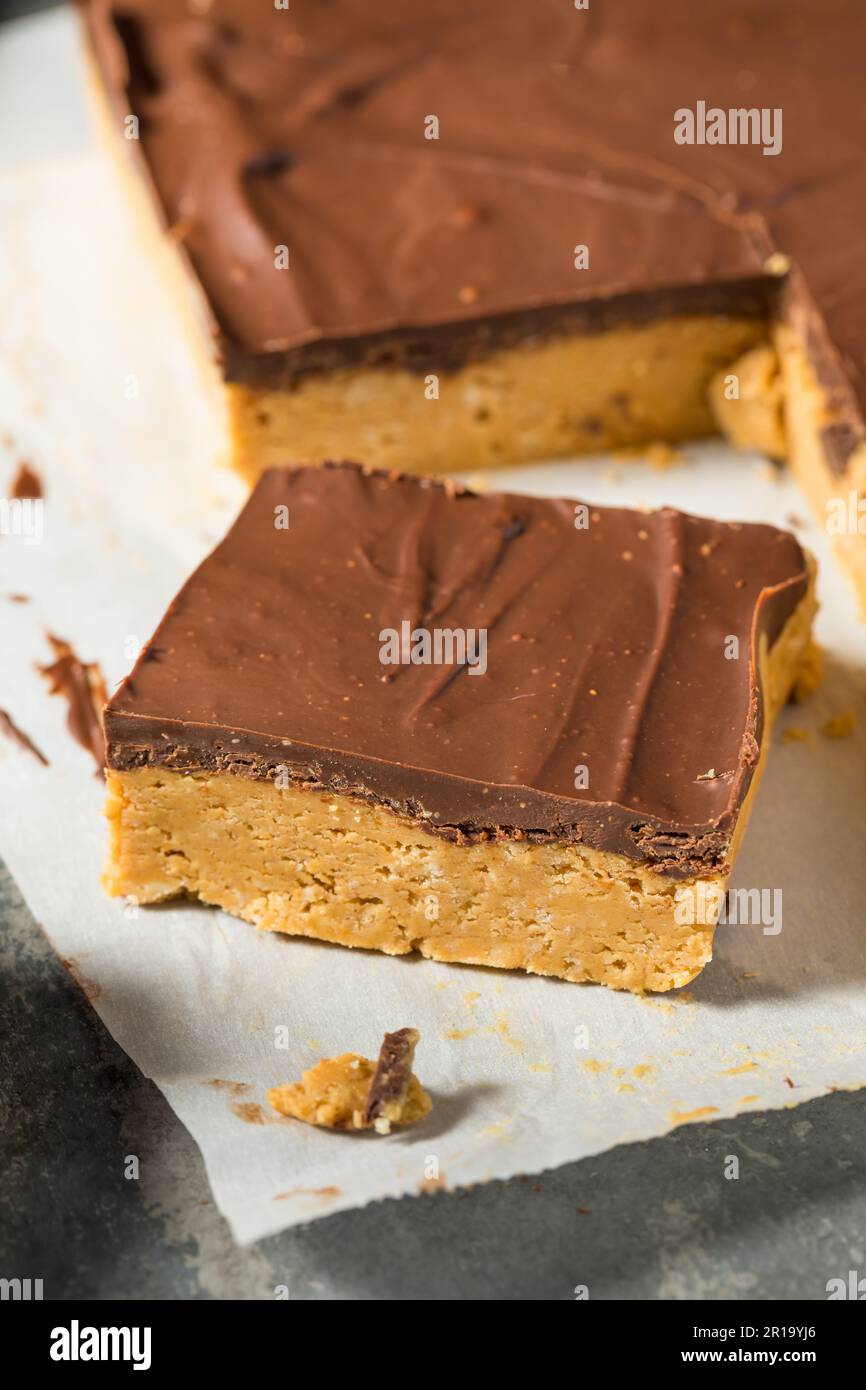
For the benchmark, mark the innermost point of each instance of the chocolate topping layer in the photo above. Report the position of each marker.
(304, 128)
(606, 636)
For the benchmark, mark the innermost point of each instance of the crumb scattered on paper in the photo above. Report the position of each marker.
(234, 1088)
(26, 485)
(323, 1194)
(687, 1117)
(352, 1092)
(249, 1111)
(840, 725)
(658, 454)
(430, 1185)
(794, 734)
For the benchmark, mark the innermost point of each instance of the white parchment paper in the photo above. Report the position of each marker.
(98, 391)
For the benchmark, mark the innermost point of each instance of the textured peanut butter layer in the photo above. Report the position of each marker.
(572, 394)
(499, 729)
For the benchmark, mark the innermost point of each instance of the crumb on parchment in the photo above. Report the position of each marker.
(351, 1092)
(840, 726)
(794, 734)
(658, 453)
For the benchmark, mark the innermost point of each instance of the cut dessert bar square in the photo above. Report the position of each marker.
(503, 730)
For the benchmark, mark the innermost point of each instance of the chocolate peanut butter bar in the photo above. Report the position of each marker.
(462, 233)
(504, 730)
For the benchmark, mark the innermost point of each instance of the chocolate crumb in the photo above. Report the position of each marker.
(26, 484)
(391, 1078)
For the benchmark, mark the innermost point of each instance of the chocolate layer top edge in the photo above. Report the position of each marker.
(304, 131)
(446, 347)
(607, 712)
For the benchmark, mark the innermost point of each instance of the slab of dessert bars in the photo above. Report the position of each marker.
(393, 713)
(457, 234)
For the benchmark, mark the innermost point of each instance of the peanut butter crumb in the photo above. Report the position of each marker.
(661, 457)
(795, 734)
(249, 1112)
(433, 1184)
(777, 264)
(738, 1071)
(234, 1088)
(324, 1194)
(337, 1093)
(746, 400)
(687, 1117)
(840, 726)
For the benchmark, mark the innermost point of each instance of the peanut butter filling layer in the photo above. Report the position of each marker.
(572, 394)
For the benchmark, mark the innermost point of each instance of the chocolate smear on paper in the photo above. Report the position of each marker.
(82, 685)
(18, 736)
